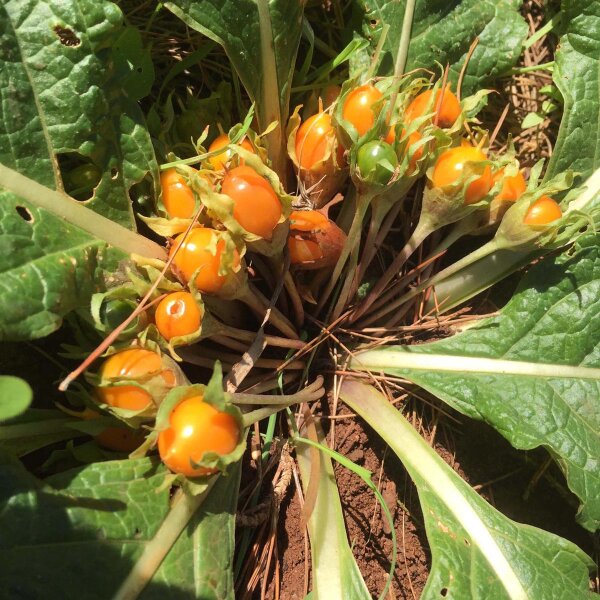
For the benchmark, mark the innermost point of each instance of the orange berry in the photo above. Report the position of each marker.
(177, 195)
(358, 107)
(543, 211)
(135, 363)
(177, 314)
(314, 241)
(218, 161)
(423, 104)
(195, 253)
(450, 166)
(312, 139)
(196, 427)
(512, 187)
(256, 205)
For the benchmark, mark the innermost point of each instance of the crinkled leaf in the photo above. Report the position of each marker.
(550, 328)
(61, 97)
(577, 75)
(93, 523)
(443, 31)
(476, 551)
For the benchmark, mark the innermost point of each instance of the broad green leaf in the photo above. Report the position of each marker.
(577, 75)
(476, 551)
(261, 39)
(15, 396)
(533, 372)
(62, 100)
(443, 31)
(335, 573)
(90, 525)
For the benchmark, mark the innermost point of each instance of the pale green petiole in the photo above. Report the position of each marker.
(68, 209)
(403, 358)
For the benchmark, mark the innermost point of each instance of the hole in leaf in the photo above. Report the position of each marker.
(24, 214)
(444, 592)
(114, 173)
(67, 36)
(79, 175)
(374, 22)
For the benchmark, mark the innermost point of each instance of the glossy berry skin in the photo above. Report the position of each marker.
(358, 107)
(543, 211)
(450, 167)
(370, 155)
(312, 139)
(256, 205)
(424, 104)
(177, 195)
(177, 315)
(195, 254)
(314, 241)
(512, 186)
(218, 161)
(196, 427)
(135, 363)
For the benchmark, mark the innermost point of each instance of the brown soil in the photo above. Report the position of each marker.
(508, 479)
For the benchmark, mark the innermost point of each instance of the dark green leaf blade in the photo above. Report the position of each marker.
(443, 31)
(577, 75)
(15, 396)
(93, 523)
(62, 103)
(551, 320)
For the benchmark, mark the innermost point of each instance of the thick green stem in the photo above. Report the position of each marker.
(460, 229)
(476, 278)
(353, 239)
(422, 230)
(347, 290)
(402, 55)
(269, 106)
(179, 516)
(314, 391)
(75, 213)
(262, 413)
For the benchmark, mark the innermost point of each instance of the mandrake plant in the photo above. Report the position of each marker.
(204, 251)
